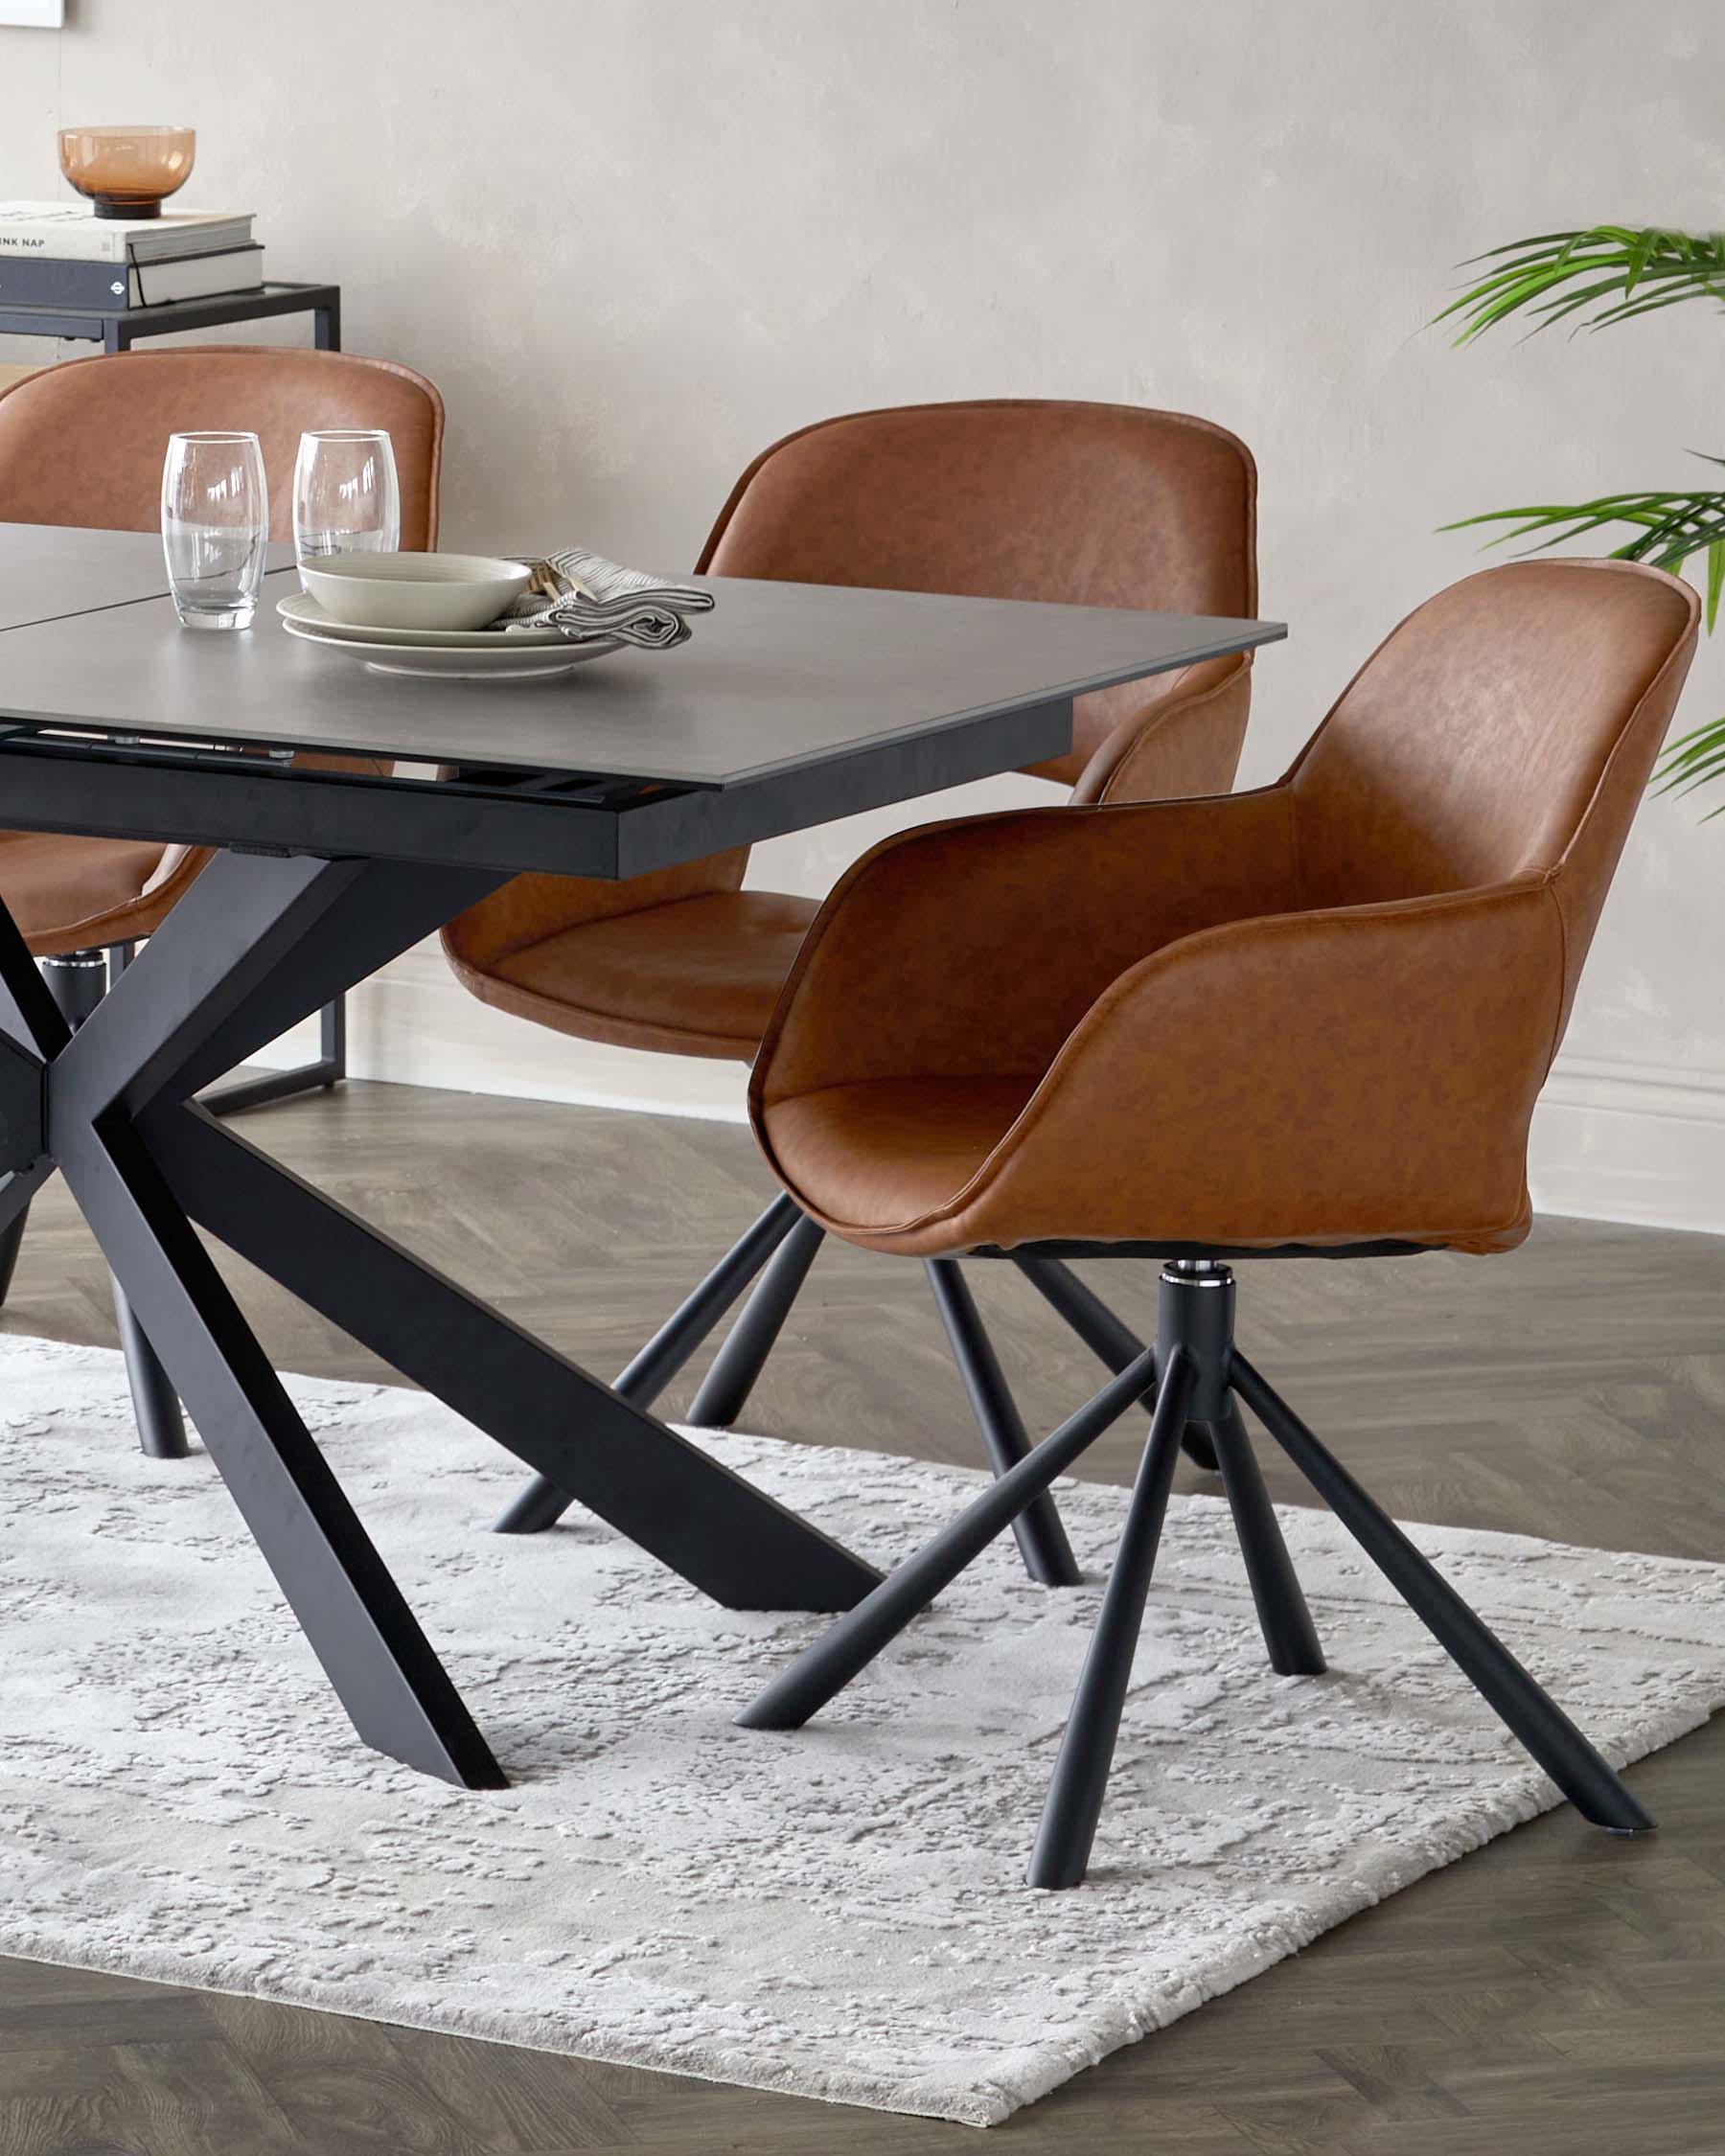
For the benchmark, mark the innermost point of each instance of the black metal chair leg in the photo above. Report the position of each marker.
(1113, 1343)
(1087, 1749)
(850, 1646)
(1200, 1371)
(16, 1190)
(155, 1403)
(1041, 1538)
(77, 982)
(739, 1363)
(1590, 1784)
(541, 1504)
(329, 1069)
(1290, 1636)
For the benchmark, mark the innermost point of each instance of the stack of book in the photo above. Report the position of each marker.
(63, 255)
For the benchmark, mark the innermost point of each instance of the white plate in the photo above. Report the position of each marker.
(305, 612)
(494, 661)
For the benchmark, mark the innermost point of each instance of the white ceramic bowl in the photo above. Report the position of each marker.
(414, 590)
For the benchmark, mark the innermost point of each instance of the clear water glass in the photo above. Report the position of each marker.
(345, 496)
(215, 527)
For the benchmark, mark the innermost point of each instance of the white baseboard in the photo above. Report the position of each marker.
(415, 1024)
(1629, 1141)
(1621, 1141)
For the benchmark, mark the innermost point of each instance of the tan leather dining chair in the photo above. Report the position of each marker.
(1309, 1020)
(83, 444)
(1105, 505)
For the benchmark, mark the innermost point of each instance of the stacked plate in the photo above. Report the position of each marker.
(425, 614)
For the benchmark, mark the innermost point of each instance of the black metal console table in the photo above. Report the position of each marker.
(117, 329)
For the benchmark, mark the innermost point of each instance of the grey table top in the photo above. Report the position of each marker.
(48, 572)
(776, 677)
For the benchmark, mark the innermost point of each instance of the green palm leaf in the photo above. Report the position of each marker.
(1620, 271)
(1668, 529)
(1603, 275)
(1696, 759)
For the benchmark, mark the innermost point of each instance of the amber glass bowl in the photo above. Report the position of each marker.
(127, 171)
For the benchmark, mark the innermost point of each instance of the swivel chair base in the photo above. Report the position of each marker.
(1197, 1375)
(785, 1242)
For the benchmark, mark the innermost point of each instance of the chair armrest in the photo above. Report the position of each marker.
(1346, 1075)
(1182, 744)
(975, 947)
(528, 909)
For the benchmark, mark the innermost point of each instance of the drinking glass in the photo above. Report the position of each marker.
(345, 495)
(215, 527)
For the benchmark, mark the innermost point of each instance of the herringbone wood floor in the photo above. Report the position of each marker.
(1558, 1993)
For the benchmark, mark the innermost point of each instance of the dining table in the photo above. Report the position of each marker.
(352, 813)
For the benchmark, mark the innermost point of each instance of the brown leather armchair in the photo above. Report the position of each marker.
(1104, 505)
(1308, 1020)
(83, 443)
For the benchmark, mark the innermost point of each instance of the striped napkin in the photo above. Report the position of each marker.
(590, 600)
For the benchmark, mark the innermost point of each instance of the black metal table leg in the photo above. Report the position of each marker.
(12, 1236)
(1041, 1538)
(160, 1425)
(541, 1504)
(256, 946)
(328, 1068)
(719, 1532)
(258, 941)
(77, 982)
(396, 1691)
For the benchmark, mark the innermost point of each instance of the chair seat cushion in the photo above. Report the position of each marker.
(72, 894)
(929, 1167)
(879, 1156)
(697, 977)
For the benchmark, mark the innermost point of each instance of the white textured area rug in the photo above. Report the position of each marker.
(840, 1913)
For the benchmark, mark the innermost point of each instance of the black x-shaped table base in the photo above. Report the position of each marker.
(257, 943)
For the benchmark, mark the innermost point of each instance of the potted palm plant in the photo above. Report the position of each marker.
(1608, 274)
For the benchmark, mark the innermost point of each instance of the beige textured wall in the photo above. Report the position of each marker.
(635, 242)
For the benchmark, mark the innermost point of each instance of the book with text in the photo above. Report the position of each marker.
(67, 232)
(32, 281)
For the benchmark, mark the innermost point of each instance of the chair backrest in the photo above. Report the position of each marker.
(83, 443)
(1507, 728)
(1098, 505)
(1106, 505)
